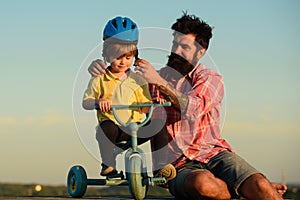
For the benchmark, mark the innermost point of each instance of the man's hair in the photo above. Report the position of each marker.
(190, 24)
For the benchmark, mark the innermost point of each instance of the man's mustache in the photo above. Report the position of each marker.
(180, 64)
(177, 58)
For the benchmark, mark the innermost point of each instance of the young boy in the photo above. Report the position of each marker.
(119, 85)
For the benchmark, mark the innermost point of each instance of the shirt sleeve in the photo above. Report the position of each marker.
(144, 96)
(207, 92)
(93, 89)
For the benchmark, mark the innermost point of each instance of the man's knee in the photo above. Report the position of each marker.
(200, 183)
(256, 182)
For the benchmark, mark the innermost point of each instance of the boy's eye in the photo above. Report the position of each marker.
(126, 57)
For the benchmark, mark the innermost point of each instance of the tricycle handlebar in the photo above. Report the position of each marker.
(151, 105)
(140, 105)
(137, 105)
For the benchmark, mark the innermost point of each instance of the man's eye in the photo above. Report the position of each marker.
(185, 46)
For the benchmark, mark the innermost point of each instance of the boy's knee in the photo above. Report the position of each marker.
(107, 129)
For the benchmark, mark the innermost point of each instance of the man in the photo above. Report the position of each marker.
(207, 167)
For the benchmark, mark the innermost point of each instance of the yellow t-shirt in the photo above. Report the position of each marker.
(131, 90)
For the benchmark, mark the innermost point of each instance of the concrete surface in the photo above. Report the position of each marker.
(87, 198)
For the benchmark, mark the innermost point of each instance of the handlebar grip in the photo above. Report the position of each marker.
(96, 107)
(166, 104)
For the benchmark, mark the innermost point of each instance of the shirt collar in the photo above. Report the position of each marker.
(198, 68)
(111, 76)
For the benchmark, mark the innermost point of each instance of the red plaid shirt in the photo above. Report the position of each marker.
(194, 133)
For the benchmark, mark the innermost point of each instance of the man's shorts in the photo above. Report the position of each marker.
(226, 165)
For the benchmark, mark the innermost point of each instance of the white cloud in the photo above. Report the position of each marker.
(266, 120)
(46, 119)
(240, 127)
(8, 121)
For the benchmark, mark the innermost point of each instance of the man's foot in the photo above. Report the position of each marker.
(108, 170)
(280, 188)
(168, 172)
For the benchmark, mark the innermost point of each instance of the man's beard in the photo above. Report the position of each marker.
(180, 64)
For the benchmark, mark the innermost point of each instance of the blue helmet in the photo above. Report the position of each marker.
(121, 28)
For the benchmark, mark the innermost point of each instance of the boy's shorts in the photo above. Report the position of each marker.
(225, 165)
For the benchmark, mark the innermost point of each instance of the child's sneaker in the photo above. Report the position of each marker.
(168, 172)
(107, 170)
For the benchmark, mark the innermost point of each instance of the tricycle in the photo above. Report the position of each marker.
(136, 177)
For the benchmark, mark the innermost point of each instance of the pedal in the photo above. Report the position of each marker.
(154, 181)
(115, 176)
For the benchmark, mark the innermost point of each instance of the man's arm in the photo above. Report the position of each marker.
(147, 71)
(179, 101)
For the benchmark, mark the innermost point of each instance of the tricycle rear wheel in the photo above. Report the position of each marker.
(77, 181)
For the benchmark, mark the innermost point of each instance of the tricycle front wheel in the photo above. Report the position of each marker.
(135, 177)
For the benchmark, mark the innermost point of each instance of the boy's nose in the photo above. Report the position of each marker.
(122, 61)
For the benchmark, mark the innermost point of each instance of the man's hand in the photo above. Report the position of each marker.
(159, 100)
(97, 68)
(148, 72)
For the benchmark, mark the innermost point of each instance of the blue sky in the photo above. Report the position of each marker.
(43, 45)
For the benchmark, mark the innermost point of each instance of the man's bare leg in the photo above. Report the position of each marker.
(202, 184)
(257, 187)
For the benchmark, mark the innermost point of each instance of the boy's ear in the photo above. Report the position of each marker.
(105, 58)
(108, 59)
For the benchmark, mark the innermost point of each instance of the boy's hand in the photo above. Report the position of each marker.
(104, 105)
(97, 68)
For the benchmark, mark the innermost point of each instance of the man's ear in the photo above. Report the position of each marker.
(201, 53)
